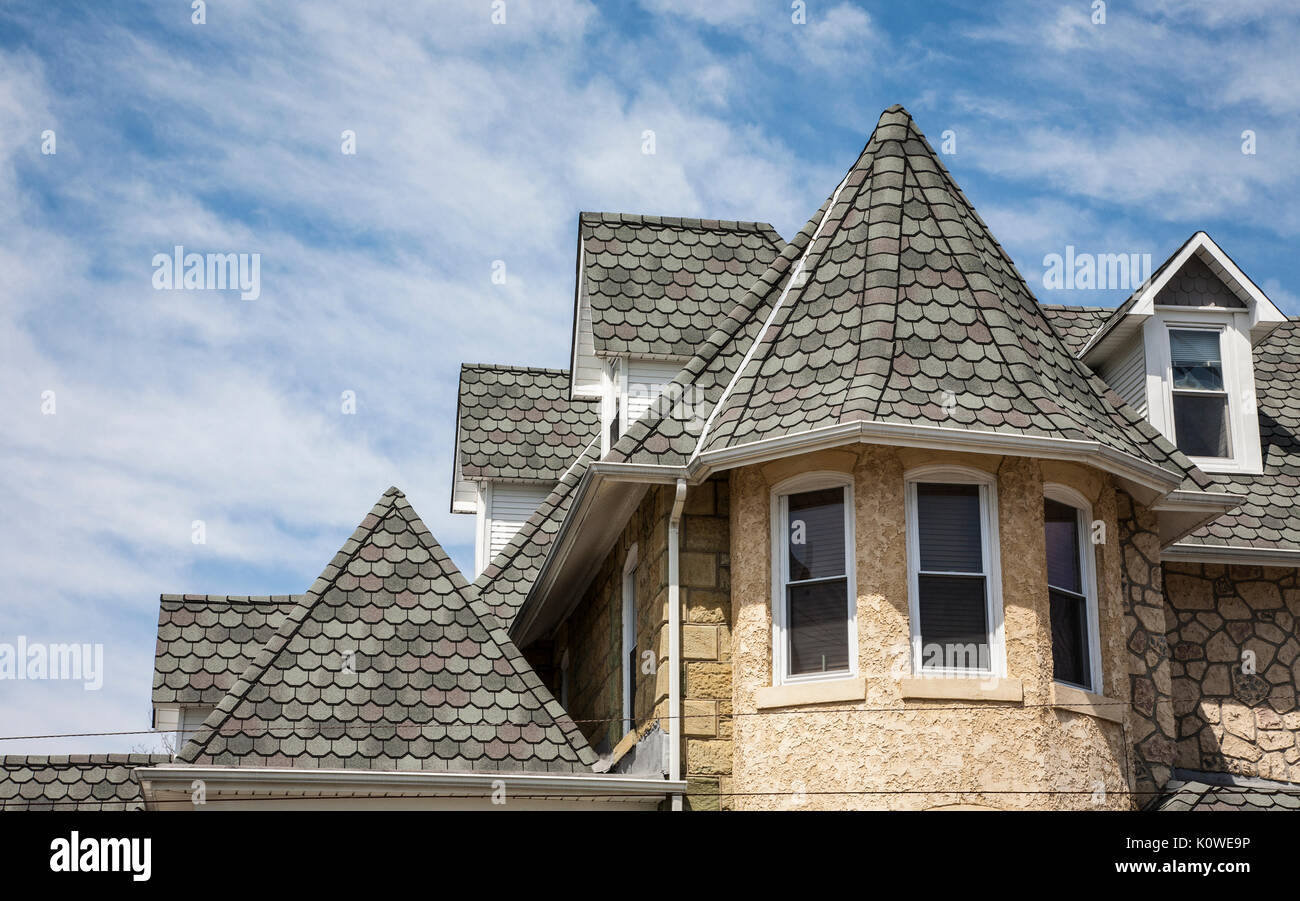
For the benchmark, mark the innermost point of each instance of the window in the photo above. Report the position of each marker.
(814, 634)
(629, 639)
(954, 578)
(1200, 397)
(1071, 582)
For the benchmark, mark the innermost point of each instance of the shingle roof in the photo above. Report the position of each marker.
(517, 422)
(1076, 325)
(73, 782)
(206, 641)
(656, 285)
(391, 662)
(506, 580)
(1269, 517)
(1228, 793)
(909, 312)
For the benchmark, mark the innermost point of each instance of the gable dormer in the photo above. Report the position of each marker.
(649, 291)
(1180, 351)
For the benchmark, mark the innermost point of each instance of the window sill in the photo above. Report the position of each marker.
(950, 688)
(1077, 700)
(800, 693)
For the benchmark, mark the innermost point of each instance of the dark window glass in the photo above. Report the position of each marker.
(815, 534)
(1069, 605)
(1201, 424)
(817, 589)
(819, 634)
(949, 528)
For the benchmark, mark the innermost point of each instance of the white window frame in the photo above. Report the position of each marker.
(1237, 356)
(1063, 494)
(990, 548)
(628, 680)
(780, 507)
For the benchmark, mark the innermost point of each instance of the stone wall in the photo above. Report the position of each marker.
(706, 643)
(593, 633)
(1235, 668)
(1152, 726)
(892, 749)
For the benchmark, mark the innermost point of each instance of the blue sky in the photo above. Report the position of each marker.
(475, 143)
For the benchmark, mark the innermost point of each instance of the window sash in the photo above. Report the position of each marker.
(955, 643)
(816, 632)
(1072, 612)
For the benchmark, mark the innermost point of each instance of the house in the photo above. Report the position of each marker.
(844, 521)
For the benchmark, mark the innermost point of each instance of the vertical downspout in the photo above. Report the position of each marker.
(675, 642)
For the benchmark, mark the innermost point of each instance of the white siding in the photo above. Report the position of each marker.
(191, 719)
(464, 493)
(585, 365)
(1127, 374)
(645, 382)
(509, 507)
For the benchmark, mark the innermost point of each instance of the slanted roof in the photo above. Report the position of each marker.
(1221, 791)
(653, 286)
(73, 782)
(905, 311)
(506, 580)
(1268, 519)
(516, 423)
(1076, 325)
(391, 662)
(206, 641)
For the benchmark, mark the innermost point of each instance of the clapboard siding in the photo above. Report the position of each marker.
(1128, 376)
(510, 507)
(645, 382)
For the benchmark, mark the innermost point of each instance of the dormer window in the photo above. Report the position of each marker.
(1181, 352)
(1202, 410)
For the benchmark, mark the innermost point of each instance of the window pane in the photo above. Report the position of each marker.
(1201, 424)
(1070, 640)
(1062, 546)
(1196, 359)
(819, 627)
(948, 523)
(815, 534)
(954, 622)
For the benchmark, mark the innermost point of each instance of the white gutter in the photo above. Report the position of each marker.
(180, 777)
(677, 725)
(1231, 555)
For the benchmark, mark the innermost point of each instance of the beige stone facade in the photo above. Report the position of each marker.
(1172, 637)
(892, 749)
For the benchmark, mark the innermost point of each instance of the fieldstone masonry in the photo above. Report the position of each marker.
(1235, 668)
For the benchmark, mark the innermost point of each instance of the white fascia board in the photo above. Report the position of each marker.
(1232, 555)
(1143, 473)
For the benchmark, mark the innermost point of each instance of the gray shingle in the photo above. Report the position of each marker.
(73, 782)
(422, 661)
(657, 285)
(519, 423)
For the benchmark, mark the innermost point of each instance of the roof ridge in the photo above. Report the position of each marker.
(8, 760)
(231, 599)
(598, 217)
(515, 367)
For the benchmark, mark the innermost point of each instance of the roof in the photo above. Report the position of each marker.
(906, 311)
(391, 662)
(206, 641)
(1269, 517)
(73, 782)
(1219, 791)
(518, 423)
(506, 580)
(1075, 325)
(656, 285)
